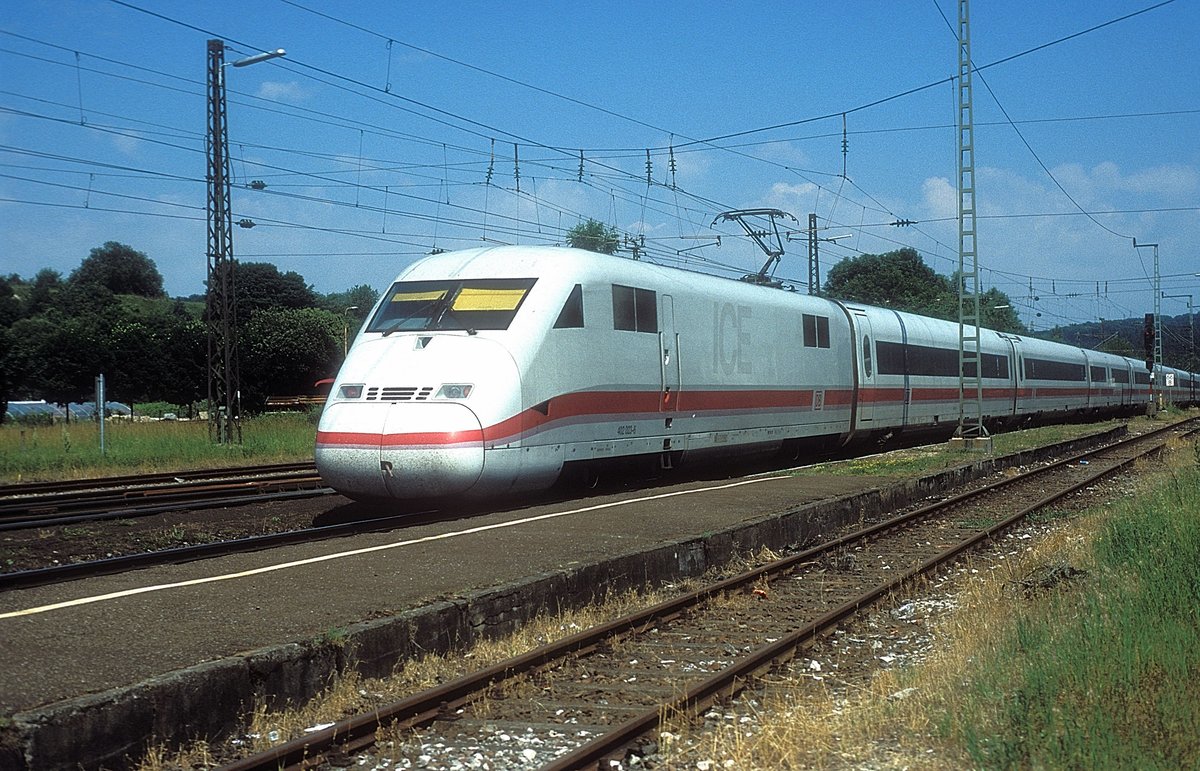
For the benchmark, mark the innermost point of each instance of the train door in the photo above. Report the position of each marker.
(668, 340)
(1024, 396)
(1011, 406)
(866, 371)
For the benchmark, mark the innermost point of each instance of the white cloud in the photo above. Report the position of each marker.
(1106, 179)
(281, 91)
(1168, 179)
(127, 145)
(788, 153)
(939, 197)
(791, 197)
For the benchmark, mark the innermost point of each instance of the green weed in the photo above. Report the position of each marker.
(1110, 678)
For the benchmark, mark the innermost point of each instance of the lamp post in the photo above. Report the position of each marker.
(346, 329)
(224, 394)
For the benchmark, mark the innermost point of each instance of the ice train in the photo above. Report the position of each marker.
(496, 370)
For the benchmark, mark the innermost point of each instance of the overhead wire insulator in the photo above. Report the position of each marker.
(649, 169)
(517, 166)
(845, 144)
(671, 163)
(387, 81)
(581, 165)
(491, 165)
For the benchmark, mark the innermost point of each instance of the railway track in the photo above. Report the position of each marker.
(46, 504)
(586, 700)
(25, 579)
(147, 480)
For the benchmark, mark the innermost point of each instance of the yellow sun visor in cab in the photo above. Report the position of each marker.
(477, 299)
(408, 297)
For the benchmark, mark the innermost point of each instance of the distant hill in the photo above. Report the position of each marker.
(1124, 336)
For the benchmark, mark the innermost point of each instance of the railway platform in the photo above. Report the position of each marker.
(94, 668)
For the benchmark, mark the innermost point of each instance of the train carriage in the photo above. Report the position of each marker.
(916, 363)
(495, 370)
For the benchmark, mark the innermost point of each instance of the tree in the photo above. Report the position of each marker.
(362, 296)
(901, 280)
(46, 285)
(996, 312)
(594, 236)
(260, 286)
(155, 352)
(55, 357)
(10, 303)
(285, 351)
(898, 279)
(121, 269)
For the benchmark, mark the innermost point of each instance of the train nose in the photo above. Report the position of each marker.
(423, 450)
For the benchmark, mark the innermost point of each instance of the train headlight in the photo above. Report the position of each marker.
(454, 391)
(351, 391)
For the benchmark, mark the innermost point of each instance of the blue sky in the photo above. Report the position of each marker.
(375, 134)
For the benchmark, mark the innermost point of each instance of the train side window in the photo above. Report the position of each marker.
(646, 305)
(571, 315)
(634, 310)
(624, 316)
(867, 356)
(816, 331)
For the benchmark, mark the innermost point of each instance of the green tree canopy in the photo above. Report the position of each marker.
(10, 304)
(900, 279)
(594, 236)
(362, 297)
(260, 286)
(285, 351)
(46, 285)
(121, 269)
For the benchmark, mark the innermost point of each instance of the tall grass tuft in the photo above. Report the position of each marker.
(72, 450)
(1108, 678)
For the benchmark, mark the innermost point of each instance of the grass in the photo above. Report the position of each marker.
(1110, 678)
(72, 450)
(937, 457)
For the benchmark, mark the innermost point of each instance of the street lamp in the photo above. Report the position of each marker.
(256, 58)
(346, 329)
(220, 299)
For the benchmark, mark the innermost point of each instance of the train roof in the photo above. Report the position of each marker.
(570, 265)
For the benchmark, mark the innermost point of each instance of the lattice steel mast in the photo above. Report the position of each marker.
(223, 423)
(970, 372)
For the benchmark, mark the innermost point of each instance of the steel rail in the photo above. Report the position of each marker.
(358, 732)
(25, 579)
(26, 514)
(164, 477)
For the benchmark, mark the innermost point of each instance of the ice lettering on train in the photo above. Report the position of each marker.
(731, 339)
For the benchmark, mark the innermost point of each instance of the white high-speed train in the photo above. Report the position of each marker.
(493, 370)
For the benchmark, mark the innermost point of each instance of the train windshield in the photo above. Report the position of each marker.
(451, 305)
